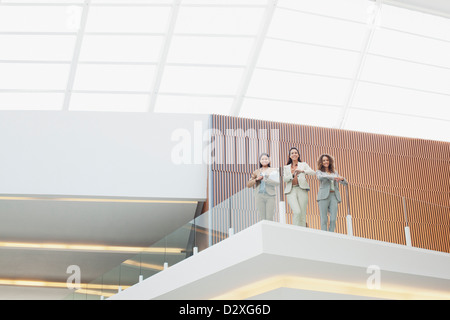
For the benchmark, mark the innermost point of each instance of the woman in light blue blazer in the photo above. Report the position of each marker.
(328, 196)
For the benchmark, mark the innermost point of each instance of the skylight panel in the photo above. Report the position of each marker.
(200, 80)
(114, 77)
(305, 58)
(119, 19)
(210, 50)
(410, 47)
(415, 22)
(402, 101)
(356, 10)
(398, 125)
(36, 47)
(218, 20)
(192, 104)
(113, 102)
(317, 30)
(39, 18)
(31, 101)
(406, 74)
(298, 87)
(31, 76)
(129, 48)
(290, 112)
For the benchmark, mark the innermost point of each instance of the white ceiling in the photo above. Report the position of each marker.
(352, 64)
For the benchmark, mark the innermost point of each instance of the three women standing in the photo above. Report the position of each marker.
(296, 190)
(328, 196)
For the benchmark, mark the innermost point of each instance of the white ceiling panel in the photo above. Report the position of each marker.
(398, 125)
(36, 47)
(305, 58)
(167, 103)
(406, 74)
(140, 19)
(290, 112)
(210, 50)
(33, 76)
(218, 20)
(113, 77)
(405, 46)
(318, 30)
(31, 101)
(356, 10)
(416, 22)
(114, 102)
(39, 18)
(402, 101)
(129, 48)
(298, 87)
(200, 80)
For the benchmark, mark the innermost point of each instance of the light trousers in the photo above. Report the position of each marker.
(297, 199)
(265, 205)
(329, 204)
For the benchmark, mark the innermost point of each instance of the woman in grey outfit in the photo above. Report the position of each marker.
(328, 195)
(264, 180)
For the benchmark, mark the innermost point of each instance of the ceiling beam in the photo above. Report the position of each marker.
(371, 25)
(163, 55)
(76, 55)
(253, 57)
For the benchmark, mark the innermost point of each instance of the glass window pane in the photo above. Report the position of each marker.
(114, 77)
(186, 104)
(406, 74)
(108, 102)
(213, 50)
(23, 47)
(41, 1)
(299, 57)
(121, 48)
(201, 80)
(40, 18)
(28, 76)
(346, 9)
(164, 2)
(314, 29)
(297, 113)
(127, 19)
(397, 125)
(415, 22)
(298, 87)
(221, 20)
(226, 2)
(397, 100)
(31, 101)
(407, 46)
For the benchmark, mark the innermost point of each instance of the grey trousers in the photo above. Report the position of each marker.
(298, 201)
(329, 204)
(265, 205)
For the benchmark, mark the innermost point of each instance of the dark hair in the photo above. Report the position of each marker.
(320, 163)
(260, 156)
(289, 155)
